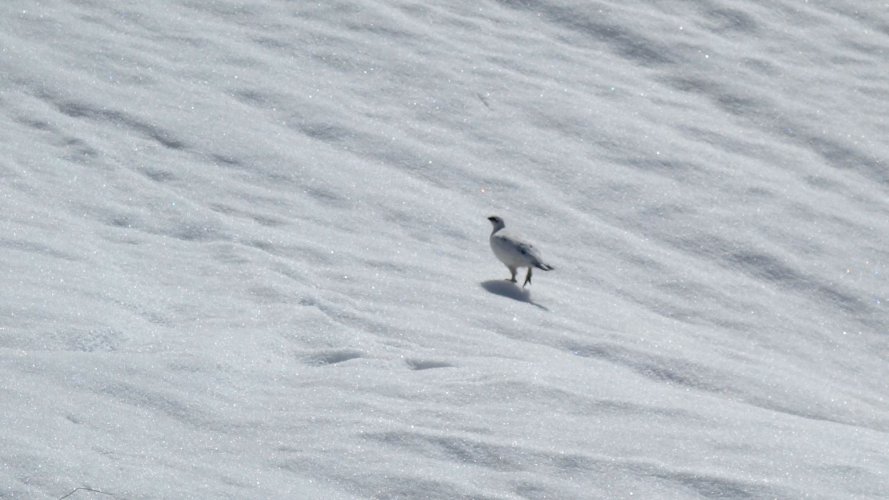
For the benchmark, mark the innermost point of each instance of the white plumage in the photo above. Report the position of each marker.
(514, 252)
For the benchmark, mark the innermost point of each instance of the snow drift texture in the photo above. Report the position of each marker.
(244, 249)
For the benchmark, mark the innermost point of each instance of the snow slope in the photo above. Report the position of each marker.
(244, 249)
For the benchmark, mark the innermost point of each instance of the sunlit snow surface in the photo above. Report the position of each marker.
(244, 249)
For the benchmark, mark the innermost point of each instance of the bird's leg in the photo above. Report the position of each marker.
(528, 277)
(512, 271)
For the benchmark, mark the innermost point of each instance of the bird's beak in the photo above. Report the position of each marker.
(491, 218)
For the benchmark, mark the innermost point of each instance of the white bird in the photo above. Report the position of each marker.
(514, 252)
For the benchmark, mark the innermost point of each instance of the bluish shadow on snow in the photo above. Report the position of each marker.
(510, 290)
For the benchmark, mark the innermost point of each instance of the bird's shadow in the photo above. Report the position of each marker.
(510, 290)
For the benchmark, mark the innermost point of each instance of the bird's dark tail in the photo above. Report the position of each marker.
(545, 267)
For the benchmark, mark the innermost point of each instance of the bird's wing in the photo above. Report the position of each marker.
(520, 250)
(527, 250)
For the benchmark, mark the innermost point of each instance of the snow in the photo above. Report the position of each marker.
(244, 249)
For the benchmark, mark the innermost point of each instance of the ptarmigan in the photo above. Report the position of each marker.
(514, 252)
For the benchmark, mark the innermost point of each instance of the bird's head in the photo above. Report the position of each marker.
(497, 222)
